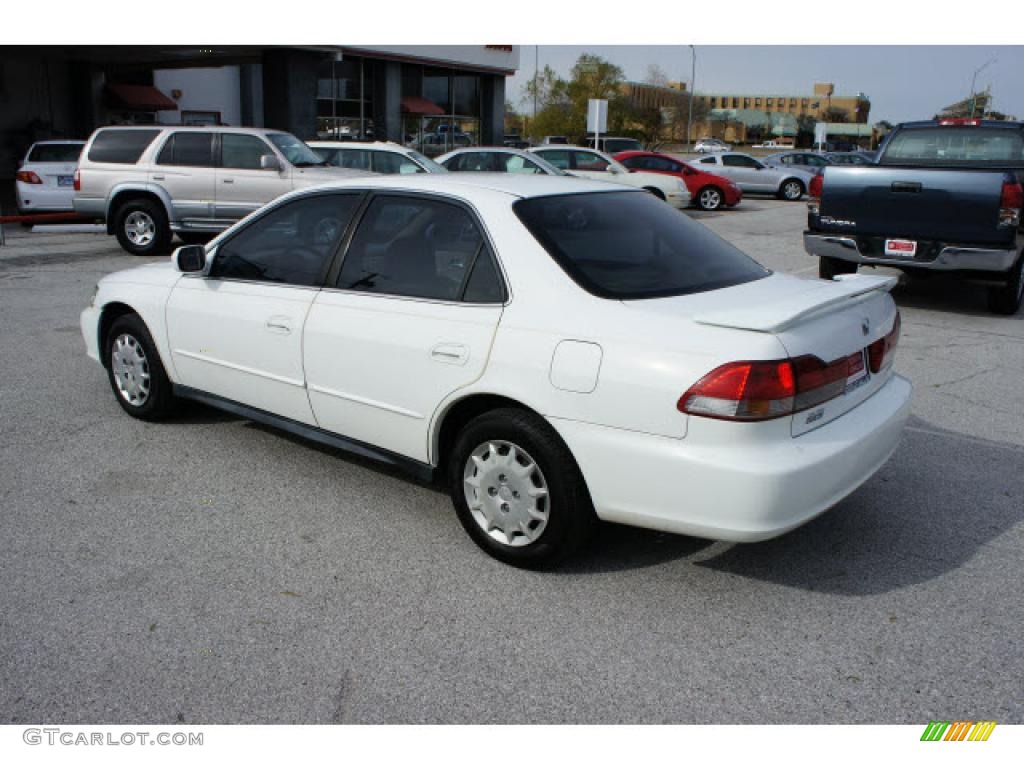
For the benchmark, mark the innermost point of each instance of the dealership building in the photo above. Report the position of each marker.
(432, 97)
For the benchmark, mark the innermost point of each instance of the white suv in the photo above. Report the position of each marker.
(148, 182)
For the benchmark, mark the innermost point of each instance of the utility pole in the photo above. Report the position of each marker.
(689, 112)
(536, 71)
(974, 80)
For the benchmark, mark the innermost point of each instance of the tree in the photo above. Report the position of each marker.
(835, 115)
(513, 120)
(656, 76)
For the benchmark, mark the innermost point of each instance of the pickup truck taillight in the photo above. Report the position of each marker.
(78, 180)
(814, 192)
(1011, 203)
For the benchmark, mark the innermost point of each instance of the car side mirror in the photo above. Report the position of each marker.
(614, 169)
(190, 258)
(269, 163)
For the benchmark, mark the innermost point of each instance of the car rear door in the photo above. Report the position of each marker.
(407, 319)
(237, 331)
(242, 185)
(185, 168)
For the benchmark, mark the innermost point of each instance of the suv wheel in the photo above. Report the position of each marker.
(137, 376)
(1006, 299)
(828, 267)
(517, 489)
(142, 229)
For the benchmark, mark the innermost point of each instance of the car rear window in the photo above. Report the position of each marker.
(120, 146)
(630, 245)
(968, 145)
(55, 153)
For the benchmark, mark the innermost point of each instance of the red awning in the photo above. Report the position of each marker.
(138, 98)
(414, 105)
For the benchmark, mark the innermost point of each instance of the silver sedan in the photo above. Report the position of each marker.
(752, 175)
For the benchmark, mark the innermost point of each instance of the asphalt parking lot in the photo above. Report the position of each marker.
(210, 570)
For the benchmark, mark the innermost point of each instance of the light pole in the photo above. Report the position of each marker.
(689, 111)
(975, 78)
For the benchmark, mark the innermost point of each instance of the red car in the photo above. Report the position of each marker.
(709, 192)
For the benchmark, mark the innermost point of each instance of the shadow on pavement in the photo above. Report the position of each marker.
(943, 293)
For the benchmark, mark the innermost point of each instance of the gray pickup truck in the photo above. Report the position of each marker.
(944, 196)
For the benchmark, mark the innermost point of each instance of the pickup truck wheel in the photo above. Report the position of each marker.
(829, 267)
(710, 199)
(1006, 300)
(791, 189)
(517, 489)
(137, 376)
(142, 229)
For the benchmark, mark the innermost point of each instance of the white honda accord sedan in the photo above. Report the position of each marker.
(555, 350)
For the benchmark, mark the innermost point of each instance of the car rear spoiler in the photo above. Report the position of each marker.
(820, 298)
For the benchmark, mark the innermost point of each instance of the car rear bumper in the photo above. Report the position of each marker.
(732, 490)
(36, 198)
(948, 259)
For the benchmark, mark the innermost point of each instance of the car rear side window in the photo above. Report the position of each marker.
(120, 145)
(392, 162)
(290, 244)
(629, 245)
(187, 148)
(419, 247)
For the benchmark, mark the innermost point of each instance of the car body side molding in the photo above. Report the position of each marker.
(417, 469)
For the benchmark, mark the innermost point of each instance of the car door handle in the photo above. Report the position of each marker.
(453, 354)
(906, 186)
(279, 324)
(228, 181)
(158, 177)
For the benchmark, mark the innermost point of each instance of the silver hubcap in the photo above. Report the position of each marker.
(139, 228)
(709, 198)
(131, 369)
(506, 493)
(792, 190)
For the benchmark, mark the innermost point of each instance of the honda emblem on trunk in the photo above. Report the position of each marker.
(866, 326)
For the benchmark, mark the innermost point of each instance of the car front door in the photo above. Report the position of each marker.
(236, 332)
(184, 167)
(749, 174)
(242, 184)
(408, 320)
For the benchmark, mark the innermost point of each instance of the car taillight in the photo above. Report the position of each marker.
(1011, 202)
(29, 177)
(768, 389)
(78, 180)
(881, 352)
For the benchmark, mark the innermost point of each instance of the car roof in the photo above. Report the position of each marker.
(58, 141)
(328, 144)
(512, 184)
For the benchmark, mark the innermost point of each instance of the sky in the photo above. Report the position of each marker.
(902, 82)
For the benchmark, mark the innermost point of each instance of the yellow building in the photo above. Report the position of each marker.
(821, 101)
(646, 96)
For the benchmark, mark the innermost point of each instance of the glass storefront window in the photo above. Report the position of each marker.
(345, 99)
(458, 94)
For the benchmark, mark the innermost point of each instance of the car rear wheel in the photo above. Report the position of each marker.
(829, 267)
(517, 489)
(142, 229)
(791, 189)
(710, 199)
(137, 376)
(1006, 299)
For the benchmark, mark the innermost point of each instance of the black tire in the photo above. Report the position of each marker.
(159, 401)
(160, 241)
(710, 198)
(1006, 299)
(570, 513)
(791, 189)
(829, 267)
(656, 192)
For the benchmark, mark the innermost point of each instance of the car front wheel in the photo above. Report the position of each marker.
(136, 375)
(517, 489)
(710, 199)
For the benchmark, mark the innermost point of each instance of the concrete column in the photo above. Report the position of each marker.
(387, 102)
(289, 91)
(250, 84)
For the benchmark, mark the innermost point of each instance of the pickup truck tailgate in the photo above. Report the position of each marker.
(915, 203)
